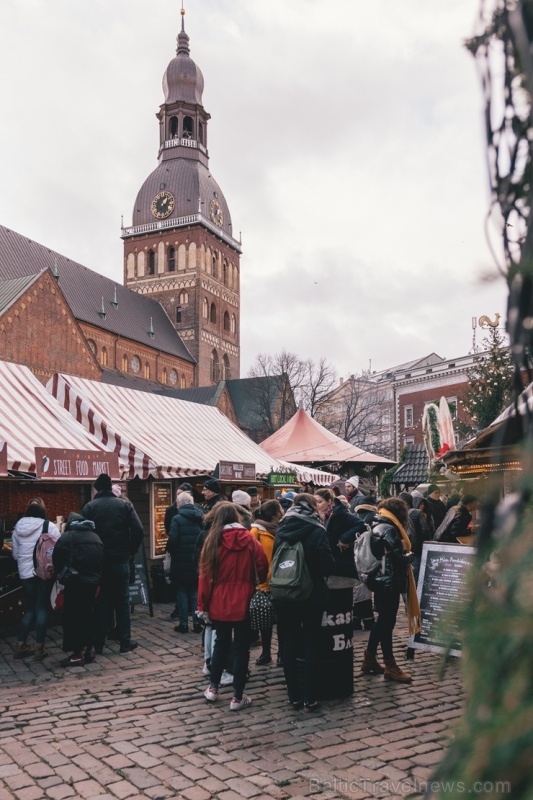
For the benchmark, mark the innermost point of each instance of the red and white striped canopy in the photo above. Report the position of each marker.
(30, 418)
(155, 435)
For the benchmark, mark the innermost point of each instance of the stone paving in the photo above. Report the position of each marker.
(137, 726)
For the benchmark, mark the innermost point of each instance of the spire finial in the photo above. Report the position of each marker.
(182, 39)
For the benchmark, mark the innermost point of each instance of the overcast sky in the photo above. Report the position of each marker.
(347, 138)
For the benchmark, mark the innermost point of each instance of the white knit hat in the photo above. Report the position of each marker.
(241, 498)
(353, 481)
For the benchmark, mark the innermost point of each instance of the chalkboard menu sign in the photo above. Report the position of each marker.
(161, 500)
(442, 584)
(139, 590)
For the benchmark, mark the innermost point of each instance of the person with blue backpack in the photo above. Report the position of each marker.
(301, 563)
(36, 575)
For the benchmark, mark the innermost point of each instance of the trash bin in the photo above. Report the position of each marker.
(162, 592)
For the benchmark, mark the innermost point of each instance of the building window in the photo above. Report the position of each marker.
(213, 313)
(124, 363)
(146, 370)
(226, 321)
(172, 259)
(205, 308)
(214, 266)
(215, 367)
(408, 417)
(183, 382)
(92, 345)
(178, 313)
(409, 440)
(188, 128)
(225, 273)
(164, 376)
(385, 420)
(151, 262)
(226, 368)
(184, 298)
(233, 324)
(452, 405)
(173, 127)
(103, 356)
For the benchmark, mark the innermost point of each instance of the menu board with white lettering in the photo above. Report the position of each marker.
(161, 500)
(442, 588)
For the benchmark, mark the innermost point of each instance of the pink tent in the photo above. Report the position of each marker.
(304, 441)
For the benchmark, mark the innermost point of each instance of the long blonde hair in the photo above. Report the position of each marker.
(222, 514)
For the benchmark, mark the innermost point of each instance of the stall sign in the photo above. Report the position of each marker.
(78, 465)
(236, 471)
(161, 500)
(281, 478)
(3, 458)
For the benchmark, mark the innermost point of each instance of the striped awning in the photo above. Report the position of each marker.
(155, 435)
(30, 418)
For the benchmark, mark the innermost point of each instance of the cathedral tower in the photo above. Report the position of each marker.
(180, 248)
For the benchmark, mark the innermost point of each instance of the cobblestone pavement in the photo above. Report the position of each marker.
(137, 726)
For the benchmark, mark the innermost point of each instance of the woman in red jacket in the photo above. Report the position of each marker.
(231, 564)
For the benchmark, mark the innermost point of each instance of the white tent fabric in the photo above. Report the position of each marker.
(30, 418)
(155, 435)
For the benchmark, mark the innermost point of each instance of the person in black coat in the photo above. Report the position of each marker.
(342, 528)
(172, 509)
(422, 528)
(185, 530)
(121, 532)
(81, 549)
(436, 507)
(302, 523)
(462, 520)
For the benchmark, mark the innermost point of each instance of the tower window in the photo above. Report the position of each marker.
(225, 273)
(215, 367)
(233, 324)
(151, 263)
(226, 321)
(173, 127)
(184, 298)
(214, 266)
(205, 308)
(171, 259)
(226, 370)
(188, 128)
(213, 313)
(178, 313)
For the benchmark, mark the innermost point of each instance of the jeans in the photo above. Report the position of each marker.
(241, 653)
(115, 596)
(186, 597)
(387, 604)
(299, 629)
(37, 594)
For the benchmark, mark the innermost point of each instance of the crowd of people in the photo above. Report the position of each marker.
(226, 558)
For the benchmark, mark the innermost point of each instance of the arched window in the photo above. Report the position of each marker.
(215, 367)
(226, 368)
(171, 259)
(226, 321)
(184, 298)
(103, 356)
(233, 324)
(214, 266)
(151, 262)
(173, 128)
(183, 382)
(146, 370)
(213, 313)
(178, 313)
(205, 308)
(188, 128)
(92, 345)
(164, 376)
(124, 363)
(225, 273)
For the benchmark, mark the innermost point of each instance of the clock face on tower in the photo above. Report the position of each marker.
(215, 213)
(162, 205)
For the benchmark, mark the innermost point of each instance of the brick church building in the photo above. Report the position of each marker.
(176, 320)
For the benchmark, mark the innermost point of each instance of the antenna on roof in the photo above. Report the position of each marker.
(114, 301)
(102, 313)
(55, 271)
(151, 332)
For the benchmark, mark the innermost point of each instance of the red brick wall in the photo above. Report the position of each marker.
(418, 399)
(59, 499)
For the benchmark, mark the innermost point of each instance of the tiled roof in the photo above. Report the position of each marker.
(84, 289)
(244, 396)
(12, 290)
(415, 468)
(205, 395)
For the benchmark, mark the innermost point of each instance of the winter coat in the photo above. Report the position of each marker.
(117, 525)
(227, 598)
(437, 511)
(265, 534)
(421, 525)
(81, 548)
(459, 526)
(356, 500)
(387, 542)
(343, 526)
(185, 528)
(367, 512)
(208, 505)
(296, 527)
(23, 540)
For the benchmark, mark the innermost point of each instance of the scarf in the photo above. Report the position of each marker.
(413, 606)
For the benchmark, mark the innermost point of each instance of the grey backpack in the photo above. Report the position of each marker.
(366, 563)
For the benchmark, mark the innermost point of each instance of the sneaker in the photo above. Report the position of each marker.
(236, 705)
(226, 679)
(127, 648)
(206, 670)
(211, 695)
(295, 705)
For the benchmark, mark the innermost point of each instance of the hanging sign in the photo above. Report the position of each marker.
(236, 471)
(78, 465)
(281, 478)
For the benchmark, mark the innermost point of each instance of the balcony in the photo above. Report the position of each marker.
(180, 222)
(176, 142)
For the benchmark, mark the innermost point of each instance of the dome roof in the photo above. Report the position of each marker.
(183, 80)
(188, 181)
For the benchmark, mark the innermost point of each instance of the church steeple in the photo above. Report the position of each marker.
(182, 38)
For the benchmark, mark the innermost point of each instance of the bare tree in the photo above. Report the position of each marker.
(319, 380)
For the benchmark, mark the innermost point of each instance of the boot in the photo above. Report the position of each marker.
(22, 650)
(394, 673)
(40, 652)
(371, 665)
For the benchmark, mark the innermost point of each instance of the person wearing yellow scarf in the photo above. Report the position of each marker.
(393, 546)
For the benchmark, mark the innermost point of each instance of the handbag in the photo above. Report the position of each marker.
(261, 607)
